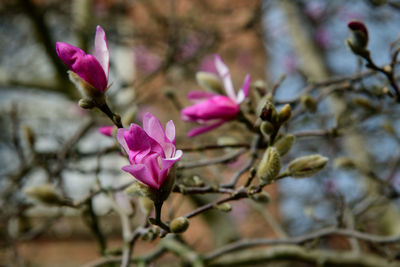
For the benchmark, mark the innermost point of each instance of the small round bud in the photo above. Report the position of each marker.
(344, 163)
(179, 225)
(270, 165)
(307, 165)
(262, 197)
(45, 193)
(358, 39)
(209, 81)
(284, 114)
(86, 103)
(225, 207)
(308, 102)
(284, 144)
(266, 128)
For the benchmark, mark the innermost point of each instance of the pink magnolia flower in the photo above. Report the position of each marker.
(151, 150)
(93, 69)
(106, 130)
(212, 110)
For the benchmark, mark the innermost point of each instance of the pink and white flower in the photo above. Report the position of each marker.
(93, 69)
(212, 110)
(151, 150)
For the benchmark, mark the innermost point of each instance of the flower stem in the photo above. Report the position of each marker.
(158, 221)
(116, 119)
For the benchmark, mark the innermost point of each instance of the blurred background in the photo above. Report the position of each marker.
(156, 48)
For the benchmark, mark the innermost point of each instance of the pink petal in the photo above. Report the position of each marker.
(121, 139)
(170, 131)
(199, 95)
(101, 52)
(106, 130)
(244, 91)
(167, 164)
(141, 173)
(225, 75)
(217, 107)
(85, 66)
(203, 129)
(140, 144)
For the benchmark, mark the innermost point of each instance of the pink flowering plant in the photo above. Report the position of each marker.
(155, 180)
(211, 110)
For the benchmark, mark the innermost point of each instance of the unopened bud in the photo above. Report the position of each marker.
(149, 236)
(30, 136)
(210, 81)
(358, 40)
(87, 91)
(262, 197)
(266, 128)
(307, 165)
(269, 166)
(225, 207)
(268, 112)
(46, 193)
(344, 162)
(86, 103)
(284, 114)
(284, 144)
(179, 225)
(308, 102)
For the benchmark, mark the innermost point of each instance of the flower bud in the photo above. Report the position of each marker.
(308, 102)
(266, 128)
(344, 163)
(262, 197)
(210, 81)
(45, 193)
(284, 114)
(86, 103)
(88, 92)
(284, 144)
(268, 112)
(358, 40)
(225, 207)
(306, 166)
(179, 225)
(269, 166)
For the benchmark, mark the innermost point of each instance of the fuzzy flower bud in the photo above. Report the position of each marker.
(179, 225)
(309, 102)
(46, 193)
(306, 166)
(266, 128)
(262, 197)
(269, 166)
(225, 207)
(268, 113)
(284, 144)
(284, 114)
(358, 40)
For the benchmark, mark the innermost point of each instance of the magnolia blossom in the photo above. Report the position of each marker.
(151, 150)
(212, 110)
(93, 69)
(106, 130)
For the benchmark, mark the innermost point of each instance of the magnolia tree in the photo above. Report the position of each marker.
(256, 140)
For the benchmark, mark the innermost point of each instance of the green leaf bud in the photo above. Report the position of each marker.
(284, 144)
(284, 114)
(45, 193)
(262, 197)
(179, 225)
(266, 128)
(306, 166)
(225, 207)
(269, 166)
(309, 102)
